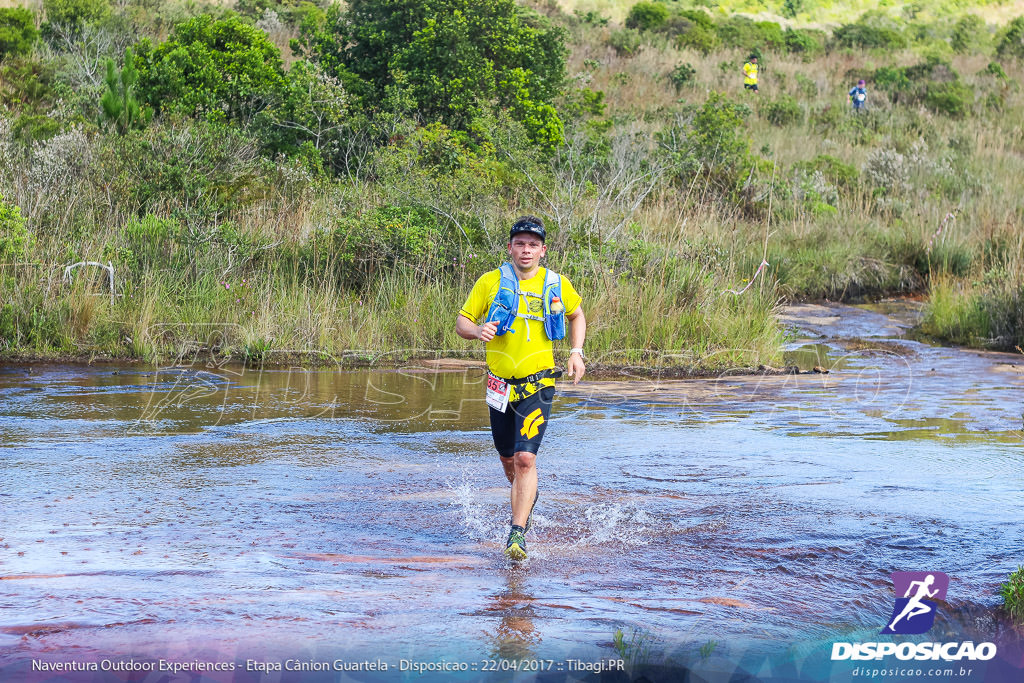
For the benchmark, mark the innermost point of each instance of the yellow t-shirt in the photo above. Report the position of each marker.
(750, 73)
(525, 349)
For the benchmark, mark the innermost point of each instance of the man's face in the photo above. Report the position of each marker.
(526, 250)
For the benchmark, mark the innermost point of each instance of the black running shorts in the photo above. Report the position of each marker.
(521, 427)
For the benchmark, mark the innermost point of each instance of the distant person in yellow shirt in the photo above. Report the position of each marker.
(518, 310)
(750, 74)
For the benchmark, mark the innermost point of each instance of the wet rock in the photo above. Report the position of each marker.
(820, 370)
(787, 370)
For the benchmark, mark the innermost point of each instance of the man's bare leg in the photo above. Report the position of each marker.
(524, 486)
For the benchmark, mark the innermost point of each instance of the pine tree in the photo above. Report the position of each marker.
(120, 108)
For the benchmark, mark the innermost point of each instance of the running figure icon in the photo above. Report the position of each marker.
(916, 609)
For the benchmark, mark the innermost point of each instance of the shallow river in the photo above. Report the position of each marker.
(731, 525)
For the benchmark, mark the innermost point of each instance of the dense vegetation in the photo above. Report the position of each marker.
(315, 178)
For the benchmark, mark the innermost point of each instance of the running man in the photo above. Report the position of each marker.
(858, 95)
(750, 74)
(518, 310)
(915, 607)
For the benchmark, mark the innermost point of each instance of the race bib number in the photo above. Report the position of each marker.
(497, 393)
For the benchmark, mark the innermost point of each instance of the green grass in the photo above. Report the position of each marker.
(1012, 593)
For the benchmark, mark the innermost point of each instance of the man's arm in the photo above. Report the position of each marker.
(467, 329)
(577, 335)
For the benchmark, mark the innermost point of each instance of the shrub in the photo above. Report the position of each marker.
(1012, 593)
(699, 18)
(859, 35)
(967, 34)
(291, 12)
(699, 38)
(681, 75)
(28, 85)
(314, 108)
(357, 247)
(742, 32)
(626, 42)
(807, 87)
(953, 99)
(710, 139)
(770, 35)
(784, 111)
(15, 239)
(217, 68)
(1011, 40)
(806, 42)
(996, 69)
(75, 12)
(647, 16)
(195, 170)
(17, 31)
(452, 61)
(832, 169)
(891, 79)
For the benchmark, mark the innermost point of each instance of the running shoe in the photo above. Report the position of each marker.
(515, 548)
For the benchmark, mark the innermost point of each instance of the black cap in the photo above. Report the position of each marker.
(528, 224)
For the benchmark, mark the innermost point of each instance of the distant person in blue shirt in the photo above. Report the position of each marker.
(858, 95)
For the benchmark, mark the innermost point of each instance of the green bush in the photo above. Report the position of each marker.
(968, 34)
(358, 247)
(834, 170)
(710, 139)
(783, 111)
(745, 33)
(647, 16)
(75, 12)
(697, 37)
(996, 69)
(860, 35)
(195, 170)
(34, 321)
(681, 75)
(699, 18)
(17, 31)
(1011, 40)
(453, 61)
(216, 68)
(807, 87)
(314, 108)
(289, 12)
(953, 98)
(804, 41)
(1012, 593)
(625, 42)
(15, 239)
(891, 79)
(29, 88)
(933, 83)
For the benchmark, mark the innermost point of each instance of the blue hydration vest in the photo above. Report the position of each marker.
(505, 307)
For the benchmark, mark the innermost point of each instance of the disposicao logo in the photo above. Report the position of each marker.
(915, 612)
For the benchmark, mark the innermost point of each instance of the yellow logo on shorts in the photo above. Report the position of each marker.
(532, 424)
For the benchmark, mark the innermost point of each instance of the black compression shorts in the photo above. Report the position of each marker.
(521, 427)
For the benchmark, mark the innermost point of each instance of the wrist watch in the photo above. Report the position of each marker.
(579, 351)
